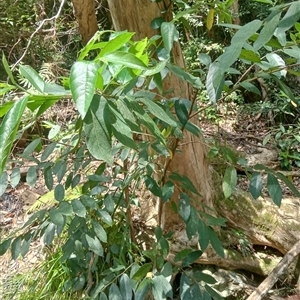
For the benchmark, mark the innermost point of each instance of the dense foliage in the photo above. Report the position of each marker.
(124, 134)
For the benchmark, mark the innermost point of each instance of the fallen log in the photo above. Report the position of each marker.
(262, 221)
(267, 284)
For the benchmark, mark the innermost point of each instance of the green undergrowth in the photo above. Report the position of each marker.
(45, 280)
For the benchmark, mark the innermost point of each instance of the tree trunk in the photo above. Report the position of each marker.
(236, 13)
(86, 17)
(136, 16)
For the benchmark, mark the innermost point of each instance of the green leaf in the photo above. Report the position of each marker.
(59, 192)
(167, 271)
(142, 290)
(245, 32)
(8, 129)
(191, 258)
(152, 186)
(203, 235)
(214, 81)
(200, 276)
(26, 243)
(4, 108)
(160, 148)
(33, 77)
(267, 31)
(48, 178)
(293, 52)
(116, 43)
(158, 112)
(109, 203)
(83, 79)
(196, 292)
(4, 246)
(123, 133)
(94, 245)
(156, 69)
(124, 59)
(99, 231)
(185, 182)
(114, 292)
(31, 147)
(31, 176)
(49, 100)
(89, 202)
(98, 130)
(216, 243)
(274, 189)
(182, 254)
(66, 208)
(103, 296)
(126, 112)
(8, 71)
(105, 216)
(125, 287)
(167, 191)
(169, 35)
(161, 288)
(142, 271)
(185, 285)
(184, 207)
(191, 127)
(192, 223)
(250, 87)
(229, 57)
(289, 19)
(75, 180)
(256, 185)
(229, 181)
(16, 248)
(288, 183)
(78, 208)
(57, 218)
(181, 111)
(144, 118)
(156, 23)
(48, 151)
(164, 245)
(284, 88)
(249, 56)
(215, 295)
(3, 183)
(205, 59)
(185, 76)
(49, 234)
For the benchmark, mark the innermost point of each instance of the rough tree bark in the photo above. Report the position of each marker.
(86, 17)
(136, 16)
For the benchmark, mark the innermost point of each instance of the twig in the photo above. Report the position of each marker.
(37, 30)
(127, 202)
(267, 284)
(90, 275)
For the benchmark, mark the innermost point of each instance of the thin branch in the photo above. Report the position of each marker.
(127, 203)
(267, 284)
(37, 30)
(173, 152)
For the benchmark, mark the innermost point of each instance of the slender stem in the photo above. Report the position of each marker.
(37, 30)
(171, 158)
(127, 202)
